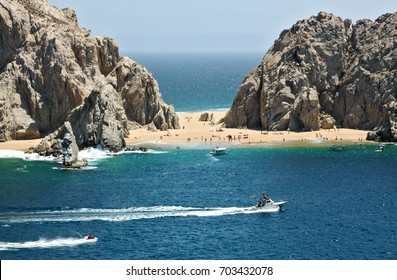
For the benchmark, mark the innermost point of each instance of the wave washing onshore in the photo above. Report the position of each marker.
(91, 154)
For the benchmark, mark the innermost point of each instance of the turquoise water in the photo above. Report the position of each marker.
(185, 204)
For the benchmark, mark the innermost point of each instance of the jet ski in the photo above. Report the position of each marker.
(91, 237)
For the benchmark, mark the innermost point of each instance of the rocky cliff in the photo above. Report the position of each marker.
(52, 71)
(325, 72)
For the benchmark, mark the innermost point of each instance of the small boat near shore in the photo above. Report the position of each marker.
(381, 148)
(267, 203)
(219, 151)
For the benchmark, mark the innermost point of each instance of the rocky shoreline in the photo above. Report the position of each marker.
(52, 72)
(210, 133)
(325, 72)
(73, 91)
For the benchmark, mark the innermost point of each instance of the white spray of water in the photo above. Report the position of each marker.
(45, 243)
(91, 154)
(125, 214)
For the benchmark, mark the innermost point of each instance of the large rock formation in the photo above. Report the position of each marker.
(322, 72)
(52, 71)
(70, 150)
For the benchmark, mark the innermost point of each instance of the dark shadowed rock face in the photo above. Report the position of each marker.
(50, 67)
(324, 72)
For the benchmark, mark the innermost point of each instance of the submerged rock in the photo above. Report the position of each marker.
(134, 149)
(324, 72)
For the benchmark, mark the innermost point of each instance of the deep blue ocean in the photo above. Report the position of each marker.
(197, 82)
(183, 203)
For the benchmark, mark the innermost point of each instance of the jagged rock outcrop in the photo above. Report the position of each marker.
(52, 71)
(70, 150)
(324, 71)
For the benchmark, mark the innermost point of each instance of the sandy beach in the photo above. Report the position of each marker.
(194, 131)
(19, 145)
(211, 132)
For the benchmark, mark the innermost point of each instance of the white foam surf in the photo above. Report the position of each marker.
(26, 156)
(11, 154)
(94, 153)
(124, 214)
(45, 243)
(148, 151)
(91, 154)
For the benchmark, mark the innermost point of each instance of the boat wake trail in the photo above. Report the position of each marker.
(123, 214)
(45, 243)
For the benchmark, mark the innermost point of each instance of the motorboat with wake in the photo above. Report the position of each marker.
(266, 202)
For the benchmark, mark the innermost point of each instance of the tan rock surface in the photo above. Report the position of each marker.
(324, 70)
(49, 66)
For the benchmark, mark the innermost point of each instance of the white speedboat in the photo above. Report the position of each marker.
(381, 148)
(266, 202)
(219, 151)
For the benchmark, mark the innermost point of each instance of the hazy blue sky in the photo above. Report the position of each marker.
(208, 25)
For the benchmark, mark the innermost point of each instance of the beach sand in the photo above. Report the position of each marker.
(194, 131)
(19, 145)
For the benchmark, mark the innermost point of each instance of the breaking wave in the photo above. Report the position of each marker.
(94, 153)
(91, 154)
(26, 156)
(45, 243)
(123, 214)
(148, 151)
(97, 153)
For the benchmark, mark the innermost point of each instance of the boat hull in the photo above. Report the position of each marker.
(275, 206)
(91, 239)
(219, 151)
(280, 203)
